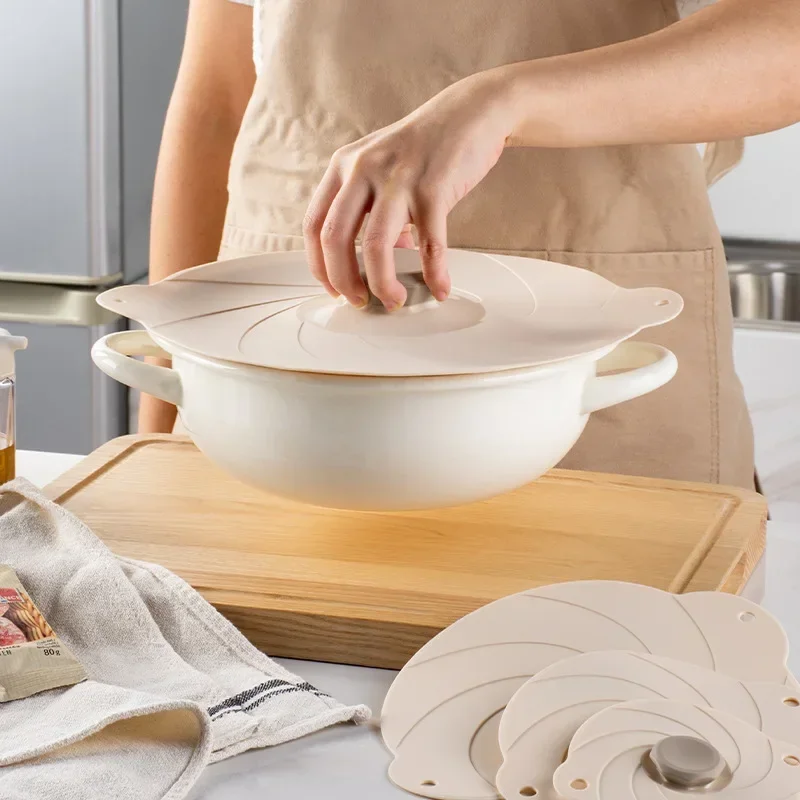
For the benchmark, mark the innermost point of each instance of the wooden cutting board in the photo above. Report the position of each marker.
(371, 589)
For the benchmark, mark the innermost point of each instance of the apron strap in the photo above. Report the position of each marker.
(720, 158)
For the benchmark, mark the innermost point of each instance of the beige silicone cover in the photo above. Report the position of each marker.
(605, 757)
(504, 312)
(543, 716)
(442, 713)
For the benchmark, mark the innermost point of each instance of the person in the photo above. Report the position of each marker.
(558, 129)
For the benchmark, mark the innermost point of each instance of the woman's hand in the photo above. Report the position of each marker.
(412, 172)
(725, 72)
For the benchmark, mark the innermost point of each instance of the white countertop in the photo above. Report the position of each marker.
(347, 763)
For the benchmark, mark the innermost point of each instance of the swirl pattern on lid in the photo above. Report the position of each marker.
(505, 312)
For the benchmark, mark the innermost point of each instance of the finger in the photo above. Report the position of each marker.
(387, 219)
(406, 239)
(430, 219)
(338, 238)
(312, 226)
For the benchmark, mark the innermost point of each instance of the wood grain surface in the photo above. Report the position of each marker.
(370, 589)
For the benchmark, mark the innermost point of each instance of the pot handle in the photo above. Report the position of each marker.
(112, 354)
(647, 367)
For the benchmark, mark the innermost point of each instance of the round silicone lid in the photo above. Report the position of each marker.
(606, 760)
(504, 312)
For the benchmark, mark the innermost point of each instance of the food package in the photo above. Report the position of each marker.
(32, 659)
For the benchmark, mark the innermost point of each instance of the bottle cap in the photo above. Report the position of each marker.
(8, 346)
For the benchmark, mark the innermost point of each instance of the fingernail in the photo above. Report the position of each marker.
(359, 301)
(398, 301)
(441, 295)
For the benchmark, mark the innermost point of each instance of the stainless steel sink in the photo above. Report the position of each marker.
(765, 283)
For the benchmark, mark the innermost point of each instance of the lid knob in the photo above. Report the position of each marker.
(417, 290)
(685, 762)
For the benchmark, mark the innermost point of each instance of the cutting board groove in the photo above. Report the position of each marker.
(370, 589)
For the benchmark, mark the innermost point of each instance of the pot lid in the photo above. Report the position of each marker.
(504, 312)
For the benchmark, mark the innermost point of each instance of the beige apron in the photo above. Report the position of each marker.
(334, 70)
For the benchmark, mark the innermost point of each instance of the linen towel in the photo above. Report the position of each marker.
(172, 684)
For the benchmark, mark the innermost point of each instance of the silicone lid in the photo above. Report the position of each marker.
(504, 312)
(444, 711)
(542, 718)
(8, 346)
(611, 757)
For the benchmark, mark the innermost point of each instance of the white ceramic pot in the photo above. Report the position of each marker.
(384, 444)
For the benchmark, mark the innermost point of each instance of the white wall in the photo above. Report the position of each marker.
(765, 361)
(760, 199)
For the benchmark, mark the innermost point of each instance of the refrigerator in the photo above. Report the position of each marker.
(84, 88)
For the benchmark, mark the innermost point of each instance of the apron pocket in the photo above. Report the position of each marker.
(649, 436)
(673, 432)
(696, 427)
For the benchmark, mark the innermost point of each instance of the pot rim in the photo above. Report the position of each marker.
(461, 379)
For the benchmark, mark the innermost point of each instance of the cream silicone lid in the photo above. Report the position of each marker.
(542, 718)
(615, 755)
(443, 715)
(504, 312)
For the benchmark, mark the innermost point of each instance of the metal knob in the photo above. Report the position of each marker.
(416, 289)
(684, 762)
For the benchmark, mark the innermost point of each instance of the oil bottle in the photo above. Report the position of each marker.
(8, 346)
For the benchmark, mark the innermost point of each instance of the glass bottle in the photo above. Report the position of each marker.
(8, 346)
